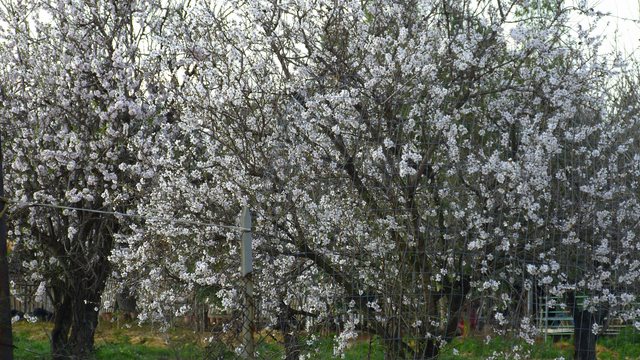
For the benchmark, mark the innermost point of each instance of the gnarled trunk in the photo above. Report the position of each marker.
(83, 326)
(75, 322)
(76, 307)
(61, 326)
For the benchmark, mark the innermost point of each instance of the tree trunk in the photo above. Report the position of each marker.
(126, 304)
(287, 325)
(584, 338)
(6, 339)
(583, 322)
(394, 346)
(75, 323)
(83, 326)
(61, 325)
(455, 292)
(76, 313)
(427, 350)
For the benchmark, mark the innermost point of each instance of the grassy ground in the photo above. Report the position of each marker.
(113, 343)
(625, 346)
(135, 342)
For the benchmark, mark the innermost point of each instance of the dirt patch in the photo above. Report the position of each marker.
(602, 350)
(563, 345)
(38, 331)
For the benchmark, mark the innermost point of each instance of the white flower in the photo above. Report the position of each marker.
(41, 292)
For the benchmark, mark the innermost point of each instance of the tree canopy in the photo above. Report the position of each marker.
(402, 159)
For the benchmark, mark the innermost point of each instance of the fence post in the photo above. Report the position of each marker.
(248, 325)
(546, 314)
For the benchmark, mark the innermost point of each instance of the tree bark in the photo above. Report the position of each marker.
(584, 338)
(61, 325)
(457, 294)
(6, 338)
(126, 304)
(76, 312)
(394, 346)
(75, 323)
(83, 326)
(287, 325)
(428, 349)
(583, 321)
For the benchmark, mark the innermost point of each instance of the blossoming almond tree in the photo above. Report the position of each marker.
(591, 248)
(400, 158)
(82, 96)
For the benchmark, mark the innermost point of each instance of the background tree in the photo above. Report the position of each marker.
(400, 158)
(83, 90)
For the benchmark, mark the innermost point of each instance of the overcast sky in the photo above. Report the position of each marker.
(622, 26)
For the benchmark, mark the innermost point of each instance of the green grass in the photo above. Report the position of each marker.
(129, 351)
(113, 343)
(31, 342)
(626, 345)
(466, 348)
(26, 348)
(38, 349)
(476, 348)
(362, 349)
